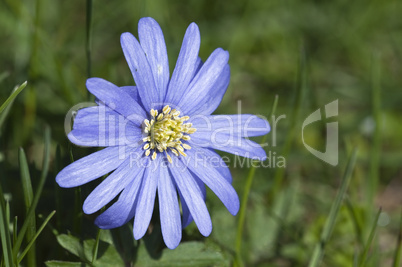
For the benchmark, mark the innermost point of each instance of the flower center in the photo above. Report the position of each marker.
(166, 130)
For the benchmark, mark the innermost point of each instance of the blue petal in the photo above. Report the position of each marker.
(112, 186)
(169, 209)
(204, 81)
(141, 70)
(217, 162)
(146, 199)
(192, 195)
(244, 125)
(212, 178)
(230, 143)
(187, 218)
(132, 91)
(153, 44)
(207, 104)
(198, 64)
(117, 99)
(123, 209)
(91, 167)
(101, 126)
(186, 65)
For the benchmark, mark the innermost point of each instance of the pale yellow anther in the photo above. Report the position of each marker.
(186, 137)
(147, 122)
(191, 130)
(154, 113)
(147, 152)
(186, 146)
(174, 151)
(182, 153)
(169, 158)
(160, 116)
(146, 146)
(166, 109)
(159, 147)
(154, 156)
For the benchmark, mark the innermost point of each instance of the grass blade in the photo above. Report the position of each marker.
(31, 211)
(370, 239)
(5, 233)
(243, 207)
(28, 196)
(15, 229)
(32, 241)
(329, 224)
(57, 190)
(13, 95)
(355, 221)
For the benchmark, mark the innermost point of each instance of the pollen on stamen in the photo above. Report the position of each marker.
(165, 131)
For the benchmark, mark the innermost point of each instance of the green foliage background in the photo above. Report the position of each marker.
(309, 53)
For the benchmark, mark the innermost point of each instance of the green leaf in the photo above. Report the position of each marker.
(13, 95)
(73, 245)
(195, 254)
(107, 254)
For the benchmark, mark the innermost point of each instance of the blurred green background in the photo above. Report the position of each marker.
(309, 53)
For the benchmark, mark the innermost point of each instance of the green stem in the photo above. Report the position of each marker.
(246, 193)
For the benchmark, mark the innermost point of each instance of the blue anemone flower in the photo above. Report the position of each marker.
(160, 138)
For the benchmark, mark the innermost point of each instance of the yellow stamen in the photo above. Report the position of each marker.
(169, 158)
(186, 146)
(165, 131)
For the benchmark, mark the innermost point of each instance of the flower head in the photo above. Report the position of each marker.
(160, 138)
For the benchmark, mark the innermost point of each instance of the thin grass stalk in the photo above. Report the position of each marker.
(31, 212)
(319, 249)
(370, 239)
(28, 196)
(301, 85)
